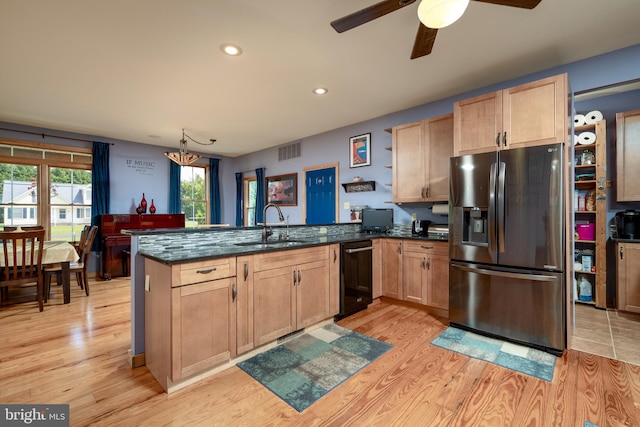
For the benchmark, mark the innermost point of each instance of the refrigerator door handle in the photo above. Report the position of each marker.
(501, 204)
(492, 209)
(507, 274)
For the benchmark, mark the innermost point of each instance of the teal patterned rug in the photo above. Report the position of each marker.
(519, 358)
(304, 369)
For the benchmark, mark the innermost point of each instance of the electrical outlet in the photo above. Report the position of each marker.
(323, 230)
(414, 216)
(347, 205)
(147, 283)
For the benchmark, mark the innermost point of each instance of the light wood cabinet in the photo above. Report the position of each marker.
(190, 318)
(421, 152)
(531, 114)
(628, 156)
(376, 268)
(628, 276)
(392, 268)
(291, 291)
(426, 273)
(244, 303)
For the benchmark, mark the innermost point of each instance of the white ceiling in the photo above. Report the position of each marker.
(142, 70)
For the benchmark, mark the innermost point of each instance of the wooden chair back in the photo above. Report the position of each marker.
(22, 259)
(85, 244)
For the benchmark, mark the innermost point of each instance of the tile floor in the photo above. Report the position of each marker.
(607, 333)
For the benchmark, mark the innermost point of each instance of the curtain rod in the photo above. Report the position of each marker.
(52, 136)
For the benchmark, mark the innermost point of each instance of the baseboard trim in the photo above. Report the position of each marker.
(136, 360)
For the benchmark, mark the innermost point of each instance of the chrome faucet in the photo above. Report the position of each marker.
(266, 233)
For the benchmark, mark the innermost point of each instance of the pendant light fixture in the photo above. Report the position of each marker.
(183, 157)
(441, 13)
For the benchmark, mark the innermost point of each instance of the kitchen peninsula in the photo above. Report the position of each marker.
(200, 306)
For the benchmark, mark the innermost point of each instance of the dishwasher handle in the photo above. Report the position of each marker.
(352, 251)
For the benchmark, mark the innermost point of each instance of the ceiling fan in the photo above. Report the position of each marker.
(426, 36)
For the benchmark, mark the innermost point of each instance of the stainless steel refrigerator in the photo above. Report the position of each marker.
(507, 245)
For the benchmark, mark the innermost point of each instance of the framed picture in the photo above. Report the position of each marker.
(283, 189)
(360, 150)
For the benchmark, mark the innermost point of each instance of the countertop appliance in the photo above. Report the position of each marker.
(628, 224)
(377, 220)
(419, 227)
(355, 277)
(507, 245)
(438, 231)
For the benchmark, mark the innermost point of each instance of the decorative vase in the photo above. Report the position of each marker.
(139, 209)
(143, 204)
(152, 208)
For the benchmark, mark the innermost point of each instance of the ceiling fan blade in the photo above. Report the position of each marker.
(368, 14)
(424, 41)
(525, 4)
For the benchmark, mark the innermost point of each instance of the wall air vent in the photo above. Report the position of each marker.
(290, 151)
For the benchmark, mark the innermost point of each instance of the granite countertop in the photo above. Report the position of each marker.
(197, 250)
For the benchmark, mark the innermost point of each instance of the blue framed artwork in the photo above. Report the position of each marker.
(360, 150)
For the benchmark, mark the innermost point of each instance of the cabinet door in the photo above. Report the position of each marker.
(312, 288)
(628, 255)
(439, 142)
(203, 330)
(536, 113)
(376, 266)
(628, 155)
(438, 282)
(477, 123)
(244, 303)
(392, 268)
(414, 277)
(408, 163)
(274, 303)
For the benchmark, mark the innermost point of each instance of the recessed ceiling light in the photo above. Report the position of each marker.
(320, 91)
(231, 50)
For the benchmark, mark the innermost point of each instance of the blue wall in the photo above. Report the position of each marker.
(332, 146)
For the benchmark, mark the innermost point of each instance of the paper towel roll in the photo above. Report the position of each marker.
(440, 209)
(578, 120)
(592, 117)
(586, 138)
(575, 139)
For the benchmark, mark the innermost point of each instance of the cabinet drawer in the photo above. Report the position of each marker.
(437, 248)
(287, 258)
(197, 272)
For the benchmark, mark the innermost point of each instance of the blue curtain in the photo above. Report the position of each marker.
(214, 190)
(239, 200)
(174, 188)
(99, 186)
(261, 196)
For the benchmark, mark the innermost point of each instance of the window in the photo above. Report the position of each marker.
(45, 185)
(194, 195)
(250, 196)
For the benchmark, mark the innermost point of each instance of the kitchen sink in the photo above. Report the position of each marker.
(272, 243)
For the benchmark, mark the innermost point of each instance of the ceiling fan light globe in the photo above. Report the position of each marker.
(441, 13)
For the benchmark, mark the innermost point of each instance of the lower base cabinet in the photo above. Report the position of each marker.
(628, 277)
(190, 318)
(291, 291)
(392, 268)
(425, 273)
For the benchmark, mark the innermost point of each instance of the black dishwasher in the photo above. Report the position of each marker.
(355, 277)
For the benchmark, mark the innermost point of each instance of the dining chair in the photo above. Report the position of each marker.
(80, 267)
(31, 227)
(22, 261)
(83, 235)
(9, 228)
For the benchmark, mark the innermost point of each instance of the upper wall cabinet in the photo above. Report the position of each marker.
(531, 114)
(421, 152)
(628, 153)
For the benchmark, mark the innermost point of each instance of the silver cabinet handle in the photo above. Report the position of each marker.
(207, 271)
(424, 263)
(246, 271)
(353, 251)
(234, 292)
(335, 255)
(504, 139)
(621, 252)
(428, 263)
(426, 247)
(299, 277)
(294, 278)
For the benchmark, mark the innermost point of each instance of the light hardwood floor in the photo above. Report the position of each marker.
(77, 354)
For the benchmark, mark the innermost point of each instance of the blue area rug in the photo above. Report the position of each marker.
(306, 368)
(519, 358)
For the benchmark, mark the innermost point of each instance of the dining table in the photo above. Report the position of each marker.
(57, 252)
